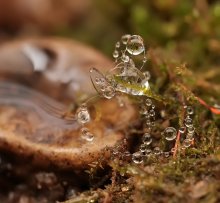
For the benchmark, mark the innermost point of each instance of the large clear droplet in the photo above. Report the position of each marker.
(83, 115)
(147, 139)
(170, 133)
(137, 157)
(87, 135)
(135, 45)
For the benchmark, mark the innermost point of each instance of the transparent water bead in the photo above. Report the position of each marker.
(115, 54)
(188, 122)
(147, 139)
(108, 92)
(166, 154)
(147, 75)
(157, 151)
(125, 38)
(135, 45)
(117, 45)
(182, 130)
(87, 135)
(187, 143)
(170, 133)
(137, 157)
(191, 129)
(147, 152)
(83, 115)
(189, 110)
(125, 58)
(148, 102)
(143, 147)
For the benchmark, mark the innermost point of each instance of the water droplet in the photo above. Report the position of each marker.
(188, 122)
(125, 38)
(182, 130)
(109, 92)
(147, 139)
(144, 59)
(189, 110)
(83, 115)
(170, 133)
(148, 102)
(135, 45)
(157, 151)
(147, 152)
(143, 147)
(191, 129)
(143, 110)
(87, 135)
(125, 58)
(137, 157)
(187, 143)
(147, 75)
(166, 154)
(117, 45)
(152, 113)
(115, 54)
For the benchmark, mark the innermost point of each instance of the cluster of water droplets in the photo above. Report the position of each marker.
(83, 117)
(188, 129)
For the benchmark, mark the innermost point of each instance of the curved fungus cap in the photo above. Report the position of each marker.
(30, 122)
(25, 131)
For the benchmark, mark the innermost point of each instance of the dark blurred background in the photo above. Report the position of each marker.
(188, 30)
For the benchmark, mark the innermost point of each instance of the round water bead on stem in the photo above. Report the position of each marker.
(187, 143)
(82, 115)
(137, 157)
(108, 92)
(148, 102)
(117, 45)
(188, 122)
(115, 54)
(87, 135)
(135, 45)
(170, 133)
(189, 110)
(147, 139)
(157, 151)
(125, 58)
(182, 130)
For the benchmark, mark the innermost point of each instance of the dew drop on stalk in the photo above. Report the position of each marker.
(189, 110)
(187, 143)
(191, 129)
(125, 58)
(188, 122)
(182, 130)
(87, 135)
(117, 45)
(137, 157)
(144, 59)
(135, 45)
(143, 147)
(157, 151)
(166, 154)
(148, 102)
(152, 112)
(83, 115)
(125, 38)
(170, 133)
(147, 139)
(115, 54)
(109, 92)
(147, 75)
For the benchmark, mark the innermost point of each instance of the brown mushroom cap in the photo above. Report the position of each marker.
(28, 130)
